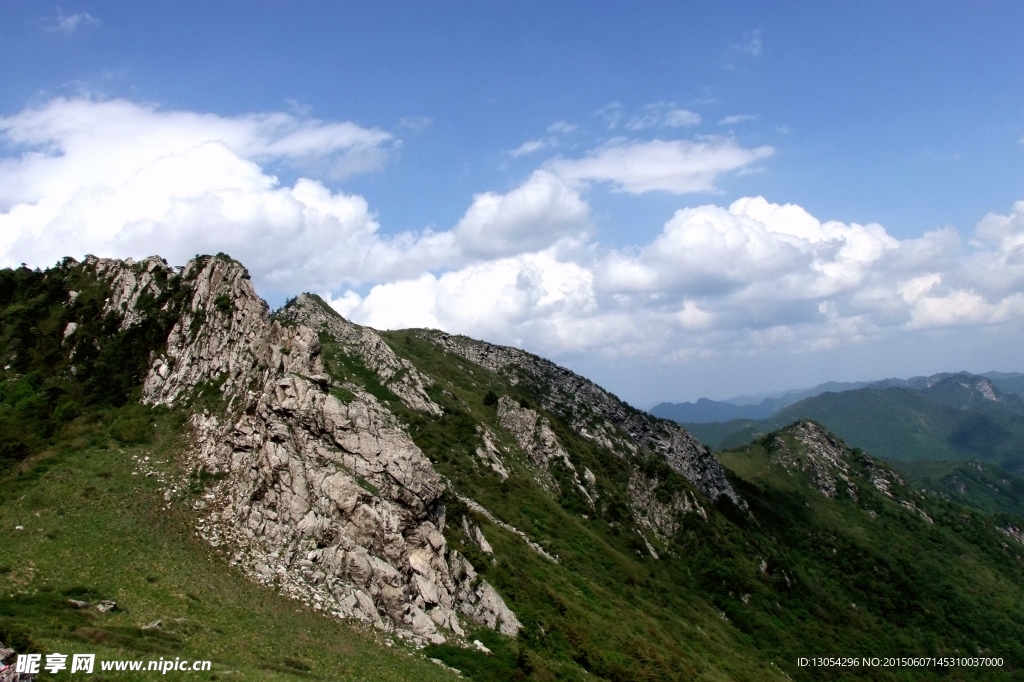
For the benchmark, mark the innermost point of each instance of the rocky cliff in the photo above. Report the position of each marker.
(328, 498)
(316, 484)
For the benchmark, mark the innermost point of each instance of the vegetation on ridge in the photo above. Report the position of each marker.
(736, 596)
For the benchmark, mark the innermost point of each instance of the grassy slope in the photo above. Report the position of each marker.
(93, 529)
(979, 485)
(908, 585)
(601, 609)
(616, 611)
(898, 425)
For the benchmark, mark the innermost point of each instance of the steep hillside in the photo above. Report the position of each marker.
(457, 500)
(980, 485)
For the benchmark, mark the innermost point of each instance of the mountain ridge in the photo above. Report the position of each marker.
(763, 406)
(445, 491)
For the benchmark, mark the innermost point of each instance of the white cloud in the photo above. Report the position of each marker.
(562, 127)
(755, 277)
(528, 147)
(117, 178)
(532, 217)
(681, 118)
(121, 179)
(533, 296)
(69, 23)
(415, 124)
(611, 113)
(663, 115)
(676, 166)
(737, 118)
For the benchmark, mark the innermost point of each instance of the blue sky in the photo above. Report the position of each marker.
(551, 145)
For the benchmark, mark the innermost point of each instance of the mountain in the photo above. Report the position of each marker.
(765, 405)
(979, 485)
(1007, 382)
(782, 398)
(290, 494)
(959, 417)
(744, 407)
(704, 411)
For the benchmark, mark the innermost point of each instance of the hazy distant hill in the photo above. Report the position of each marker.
(762, 406)
(980, 485)
(744, 407)
(958, 417)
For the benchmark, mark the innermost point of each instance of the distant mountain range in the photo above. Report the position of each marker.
(764, 405)
(943, 417)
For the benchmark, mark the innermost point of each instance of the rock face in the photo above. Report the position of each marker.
(824, 458)
(538, 442)
(599, 416)
(328, 498)
(314, 483)
(660, 517)
(827, 462)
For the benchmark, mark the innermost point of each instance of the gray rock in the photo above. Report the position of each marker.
(330, 501)
(475, 536)
(597, 415)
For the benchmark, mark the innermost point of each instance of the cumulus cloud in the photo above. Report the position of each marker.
(116, 178)
(676, 166)
(523, 266)
(535, 215)
(747, 278)
(532, 297)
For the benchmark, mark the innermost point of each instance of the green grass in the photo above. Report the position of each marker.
(94, 530)
(979, 485)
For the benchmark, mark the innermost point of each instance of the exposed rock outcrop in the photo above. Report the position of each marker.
(330, 499)
(824, 459)
(397, 374)
(490, 453)
(538, 442)
(660, 517)
(599, 416)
